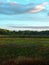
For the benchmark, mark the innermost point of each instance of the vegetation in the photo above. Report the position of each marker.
(24, 47)
(24, 51)
(23, 34)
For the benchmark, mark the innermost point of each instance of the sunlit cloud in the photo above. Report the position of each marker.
(38, 8)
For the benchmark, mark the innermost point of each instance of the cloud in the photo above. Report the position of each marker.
(33, 27)
(45, 3)
(38, 8)
(13, 8)
(12, 3)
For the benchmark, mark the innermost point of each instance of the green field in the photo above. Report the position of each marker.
(14, 48)
(24, 41)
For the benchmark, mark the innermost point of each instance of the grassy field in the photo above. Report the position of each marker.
(32, 50)
(24, 41)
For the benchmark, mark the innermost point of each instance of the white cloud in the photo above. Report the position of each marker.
(38, 8)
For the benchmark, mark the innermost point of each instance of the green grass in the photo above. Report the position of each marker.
(13, 48)
(24, 46)
(24, 41)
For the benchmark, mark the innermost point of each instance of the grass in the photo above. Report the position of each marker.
(24, 41)
(13, 49)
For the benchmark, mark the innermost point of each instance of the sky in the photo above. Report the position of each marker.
(30, 13)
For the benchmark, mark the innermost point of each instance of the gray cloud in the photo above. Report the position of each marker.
(13, 8)
(32, 27)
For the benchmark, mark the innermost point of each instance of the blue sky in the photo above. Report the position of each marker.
(24, 13)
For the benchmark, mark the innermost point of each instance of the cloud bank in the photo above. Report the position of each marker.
(13, 8)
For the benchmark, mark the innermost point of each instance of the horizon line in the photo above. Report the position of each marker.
(30, 27)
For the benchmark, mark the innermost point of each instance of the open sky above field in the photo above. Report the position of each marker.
(15, 13)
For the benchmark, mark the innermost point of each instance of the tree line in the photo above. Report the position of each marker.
(26, 33)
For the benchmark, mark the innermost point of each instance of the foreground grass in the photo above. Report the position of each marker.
(25, 50)
(24, 41)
